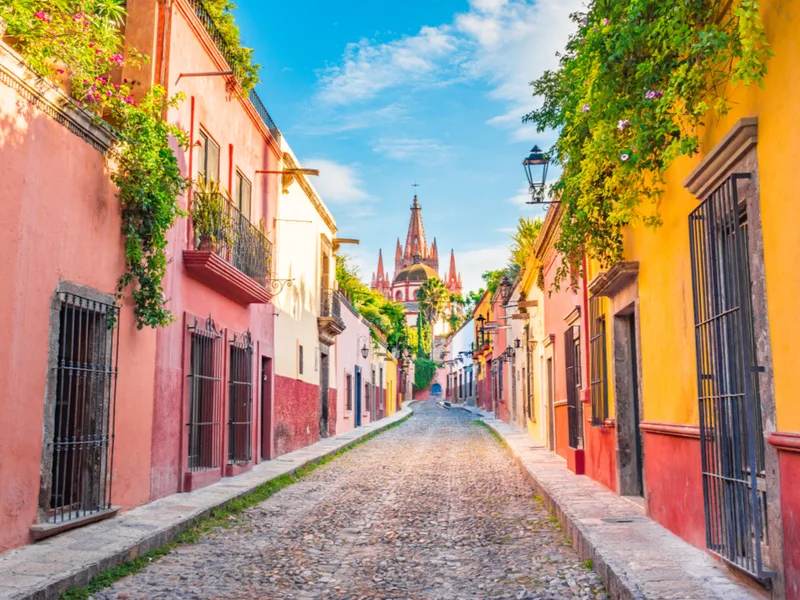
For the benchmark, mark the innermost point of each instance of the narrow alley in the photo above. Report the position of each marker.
(434, 508)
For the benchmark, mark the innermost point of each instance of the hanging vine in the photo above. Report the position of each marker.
(79, 45)
(633, 88)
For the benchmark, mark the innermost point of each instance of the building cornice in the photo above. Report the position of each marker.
(219, 61)
(50, 100)
(326, 216)
(546, 238)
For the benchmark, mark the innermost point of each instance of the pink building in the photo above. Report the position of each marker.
(77, 393)
(213, 413)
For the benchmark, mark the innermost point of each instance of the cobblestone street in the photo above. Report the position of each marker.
(434, 508)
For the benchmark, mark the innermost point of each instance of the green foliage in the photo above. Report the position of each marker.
(239, 57)
(210, 220)
(149, 183)
(524, 240)
(471, 301)
(433, 297)
(635, 85)
(386, 315)
(424, 372)
(588, 564)
(79, 44)
(493, 279)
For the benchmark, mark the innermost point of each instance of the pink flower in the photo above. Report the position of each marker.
(623, 124)
(585, 108)
(125, 80)
(605, 22)
(77, 17)
(117, 58)
(624, 157)
(109, 93)
(91, 44)
(43, 17)
(60, 71)
(653, 94)
(102, 79)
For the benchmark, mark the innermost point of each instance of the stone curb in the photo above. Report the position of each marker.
(636, 558)
(44, 570)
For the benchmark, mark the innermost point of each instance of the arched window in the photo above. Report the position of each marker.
(399, 296)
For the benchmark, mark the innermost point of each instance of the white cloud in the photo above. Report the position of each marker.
(507, 43)
(351, 122)
(337, 183)
(473, 263)
(419, 150)
(369, 69)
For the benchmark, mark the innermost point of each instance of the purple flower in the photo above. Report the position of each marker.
(584, 20)
(585, 108)
(623, 124)
(653, 94)
(623, 157)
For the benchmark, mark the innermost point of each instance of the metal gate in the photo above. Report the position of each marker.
(574, 406)
(731, 435)
(240, 400)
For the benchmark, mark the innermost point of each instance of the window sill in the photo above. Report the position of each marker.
(41, 531)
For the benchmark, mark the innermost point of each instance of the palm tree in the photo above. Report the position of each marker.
(524, 240)
(433, 298)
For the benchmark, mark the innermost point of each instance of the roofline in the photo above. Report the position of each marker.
(290, 161)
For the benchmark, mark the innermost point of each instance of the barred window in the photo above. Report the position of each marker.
(205, 395)
(300, 359)
(598, 362)
(240, 397)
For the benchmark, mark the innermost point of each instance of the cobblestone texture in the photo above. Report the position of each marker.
(432, 509)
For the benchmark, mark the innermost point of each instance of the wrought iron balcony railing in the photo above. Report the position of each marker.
(229, 234)
(331, 304)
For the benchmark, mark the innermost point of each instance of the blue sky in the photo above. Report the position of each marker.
(430, 91)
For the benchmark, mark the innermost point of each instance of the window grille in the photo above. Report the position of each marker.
(731, 434)
(240, 400)
(598, 362)
(205, 395)
(574, 405)
(83, 433)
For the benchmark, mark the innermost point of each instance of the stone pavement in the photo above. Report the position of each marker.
(43, 570)
(434, 509)
(636, 557)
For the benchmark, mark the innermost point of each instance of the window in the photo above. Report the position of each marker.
(244, 193)
(83, 440)
(205, 395)
(349, 396)
(208, 163)
(300, 359)
(598, 362)
(240, 397)
(572, 346)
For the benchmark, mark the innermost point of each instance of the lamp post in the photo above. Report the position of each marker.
(481, 320)
(536, 165)
(364, 348)
(505, 289)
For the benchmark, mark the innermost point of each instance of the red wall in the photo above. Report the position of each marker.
(790, 503)
(332, 411)
(601, 454)
(674, 485)
(296, 416)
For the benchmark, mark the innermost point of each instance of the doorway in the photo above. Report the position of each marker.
(324, 389)
(551, 428)
(630, 458)
(266, 408)
(358, 388)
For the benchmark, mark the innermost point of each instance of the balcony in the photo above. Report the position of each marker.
(330, 323)
(227, 252)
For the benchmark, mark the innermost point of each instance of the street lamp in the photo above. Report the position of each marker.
(536, 169)
(481, 320)
(518, 343)
(505, 289)
(364, 348)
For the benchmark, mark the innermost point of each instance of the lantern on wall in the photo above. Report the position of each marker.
(536, 165)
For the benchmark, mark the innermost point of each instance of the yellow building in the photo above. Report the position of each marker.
(701, 334)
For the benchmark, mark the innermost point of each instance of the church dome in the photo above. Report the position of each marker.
(418, 272)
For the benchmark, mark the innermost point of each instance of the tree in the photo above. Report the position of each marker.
(433, 297)
(493, 279)
(524, 240)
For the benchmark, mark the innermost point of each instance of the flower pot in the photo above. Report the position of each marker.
(207, 244)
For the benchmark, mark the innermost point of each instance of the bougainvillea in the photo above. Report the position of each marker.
(635, 84)
(79, 44)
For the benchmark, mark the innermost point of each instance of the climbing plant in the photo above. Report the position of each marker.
(636, 83)
(79, 44)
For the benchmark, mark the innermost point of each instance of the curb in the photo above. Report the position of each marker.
(81, 575)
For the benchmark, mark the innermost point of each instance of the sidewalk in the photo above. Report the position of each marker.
(43, 570)
(636, 557)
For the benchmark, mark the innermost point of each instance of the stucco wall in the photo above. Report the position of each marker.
(60, 221)
(296, 416)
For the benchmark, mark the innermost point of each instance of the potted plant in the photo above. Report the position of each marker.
(213, 226)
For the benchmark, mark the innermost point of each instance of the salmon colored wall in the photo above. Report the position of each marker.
(601, 454)
(224, 117)
(60, 222)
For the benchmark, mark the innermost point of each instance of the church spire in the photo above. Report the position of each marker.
(380, 265)
(453, 282)
(398, 257)
(415, 240)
